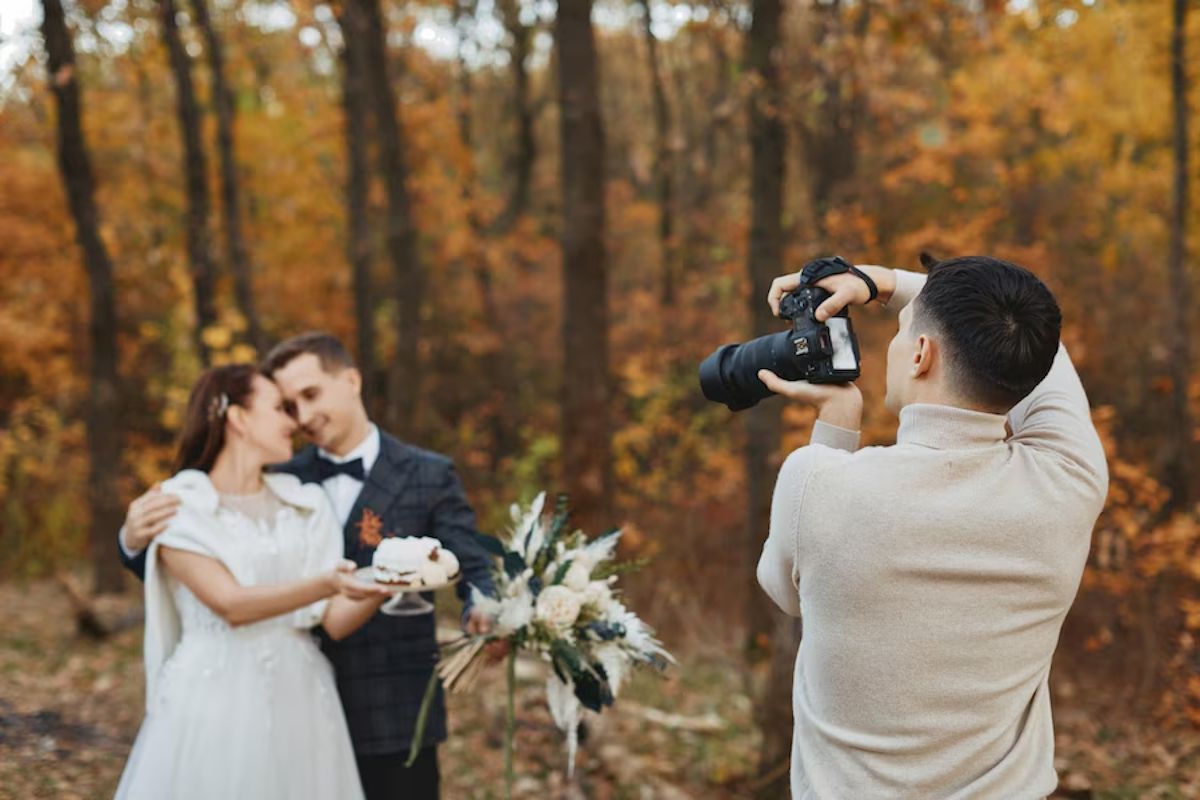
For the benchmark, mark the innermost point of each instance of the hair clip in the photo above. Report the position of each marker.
(220, 405)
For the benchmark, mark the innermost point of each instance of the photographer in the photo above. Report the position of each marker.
(934, 574)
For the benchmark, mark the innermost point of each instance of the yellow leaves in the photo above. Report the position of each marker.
(217, 337)
(1191, 611)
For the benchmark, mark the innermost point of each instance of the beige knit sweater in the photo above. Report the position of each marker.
(934, 576)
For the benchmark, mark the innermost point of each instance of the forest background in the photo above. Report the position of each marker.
(531, 221)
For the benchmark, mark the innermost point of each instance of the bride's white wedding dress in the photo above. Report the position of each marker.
(249, 712)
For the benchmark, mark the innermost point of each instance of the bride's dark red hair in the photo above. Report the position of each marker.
(204, 428)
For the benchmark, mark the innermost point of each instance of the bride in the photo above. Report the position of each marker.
(240, 702)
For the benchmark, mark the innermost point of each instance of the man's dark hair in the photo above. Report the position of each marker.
(332, 354)
(998, 323)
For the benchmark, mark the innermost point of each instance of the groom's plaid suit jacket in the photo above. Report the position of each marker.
(382, 668)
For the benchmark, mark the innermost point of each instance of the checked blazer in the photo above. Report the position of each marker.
(383, 667)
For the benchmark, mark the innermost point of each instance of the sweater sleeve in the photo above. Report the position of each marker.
(908, 286)
(779, 564)
(1055, 417)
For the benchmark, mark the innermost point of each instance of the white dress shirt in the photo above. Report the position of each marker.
(343, 490)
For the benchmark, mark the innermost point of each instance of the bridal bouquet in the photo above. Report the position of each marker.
(556, 598)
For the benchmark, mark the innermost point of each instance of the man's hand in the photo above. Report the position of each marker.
(354, 589)
(479, 624)
(148, 516)
(837, 404)
(846, 289)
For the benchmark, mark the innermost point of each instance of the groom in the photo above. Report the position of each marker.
(378, 486)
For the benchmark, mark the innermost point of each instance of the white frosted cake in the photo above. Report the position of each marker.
(413, 561)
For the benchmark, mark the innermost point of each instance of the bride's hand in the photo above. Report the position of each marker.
(346, 584)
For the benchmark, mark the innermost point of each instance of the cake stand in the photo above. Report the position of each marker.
(407, 600)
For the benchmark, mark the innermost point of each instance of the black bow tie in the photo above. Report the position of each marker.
(324, 469)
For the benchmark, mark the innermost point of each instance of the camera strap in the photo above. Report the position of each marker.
(822, 268)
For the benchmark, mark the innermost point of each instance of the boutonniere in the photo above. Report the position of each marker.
(370, 529)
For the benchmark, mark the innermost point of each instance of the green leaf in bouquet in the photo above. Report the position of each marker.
(514, 565)
(592, 688)
(561, 572)
(568, 655)
(562, 514)
(491, 544)
(607, 569)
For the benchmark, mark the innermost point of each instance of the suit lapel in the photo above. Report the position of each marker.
(382, 487)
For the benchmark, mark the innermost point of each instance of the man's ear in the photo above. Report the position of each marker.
(355, 378)
(926, 351)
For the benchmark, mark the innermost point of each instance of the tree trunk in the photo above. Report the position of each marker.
(495, 365)
(829, 144)
(355, 118)
(586, 461)
(767, 143)
(1181, 444)
(239, 259)
(404, 375)
(524, 153)
(662, 161)
(196, 169)
(104, 442)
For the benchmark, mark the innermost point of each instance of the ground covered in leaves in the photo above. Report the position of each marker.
(70, 708)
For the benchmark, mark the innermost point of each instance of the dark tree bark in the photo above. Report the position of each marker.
(196, 171)
(1181, 444)
(495, 365)
(767, 144)
(524, 153)
(103, 435)
(235, 240)
(356, 117)
(828, 139)
(663, 172)
(404, 374)
(663, 184)
(586, 387)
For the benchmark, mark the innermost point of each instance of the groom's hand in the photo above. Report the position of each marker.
(148, 516)
(479, 624)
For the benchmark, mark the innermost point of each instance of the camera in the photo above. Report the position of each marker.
(817, 352)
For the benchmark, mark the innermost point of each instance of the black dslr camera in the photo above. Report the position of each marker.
(817, 352)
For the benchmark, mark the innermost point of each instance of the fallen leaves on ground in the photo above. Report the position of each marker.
(70, 708)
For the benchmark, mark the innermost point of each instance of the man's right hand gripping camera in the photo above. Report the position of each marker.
(817, 352)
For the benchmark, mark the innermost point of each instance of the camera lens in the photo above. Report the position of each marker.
(730, 375)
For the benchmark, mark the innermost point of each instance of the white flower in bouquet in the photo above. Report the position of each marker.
(529, 533)
(510, 613)
(558, 607)
(597, 594)
(578, 577)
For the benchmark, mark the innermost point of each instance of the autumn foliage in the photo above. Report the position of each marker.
(1041, 136)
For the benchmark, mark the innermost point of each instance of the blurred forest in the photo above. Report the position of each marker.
(532, 220)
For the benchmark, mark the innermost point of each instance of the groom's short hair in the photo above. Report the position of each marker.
(332, 354)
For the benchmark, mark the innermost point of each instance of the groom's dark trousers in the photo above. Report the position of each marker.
(383, 667)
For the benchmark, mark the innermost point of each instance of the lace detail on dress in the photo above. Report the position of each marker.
(260, 507)
(266, 531)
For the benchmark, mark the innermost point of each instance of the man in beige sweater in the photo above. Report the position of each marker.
(934, 575)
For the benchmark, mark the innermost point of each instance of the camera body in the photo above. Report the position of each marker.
(819, 347)
(817, 352)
